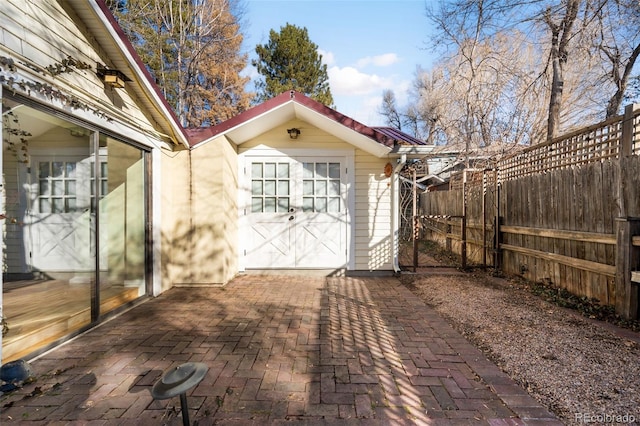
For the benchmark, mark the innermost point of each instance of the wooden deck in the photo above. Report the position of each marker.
(40, 312)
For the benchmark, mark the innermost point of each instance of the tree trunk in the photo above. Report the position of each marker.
(555, 99)
(560, 36)
(621, 82)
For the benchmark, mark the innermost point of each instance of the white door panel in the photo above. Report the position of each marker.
(296, 217)
(270, 243)
(319, 244)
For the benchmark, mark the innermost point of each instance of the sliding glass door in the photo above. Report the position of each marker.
(74, 235)
(122, 207)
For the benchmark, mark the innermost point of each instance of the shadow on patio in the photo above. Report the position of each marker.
(279, 349)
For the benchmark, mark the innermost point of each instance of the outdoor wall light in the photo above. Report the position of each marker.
(293, 133)
(113, 78)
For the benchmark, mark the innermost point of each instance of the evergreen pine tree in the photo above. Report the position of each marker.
(290, 61)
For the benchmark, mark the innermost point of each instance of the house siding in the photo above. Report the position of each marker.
(175, 223)
(373, 214)
(43, 33)
(214, 183)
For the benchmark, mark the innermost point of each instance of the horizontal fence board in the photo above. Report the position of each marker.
(591, 237)
(598, 268)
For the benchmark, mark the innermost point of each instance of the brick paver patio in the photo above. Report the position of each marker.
(280, 349)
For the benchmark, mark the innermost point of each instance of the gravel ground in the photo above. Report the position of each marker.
(581, 369)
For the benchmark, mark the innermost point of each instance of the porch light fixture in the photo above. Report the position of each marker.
(113, 78)
(293, 133)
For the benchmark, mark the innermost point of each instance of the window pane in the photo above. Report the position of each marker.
(283, 187)
(321, 169)
(270, 170)
(71, 170)
(307, 170)
(270, 187)
(256, 205)
(71, 204)
(307, 187)
(44, 187)
(321, 205)
(122, 251)
(321, 187)
(307, 204)
(256, 170)
(70, 187)
(58, 205)
(334, 187)
(283, 171)
(334, 170)
(43, 170)
(256, 187)
(58, 187)
(334, 205)
(57, 168)
(283, 204)
(270, 204)
(44, 206)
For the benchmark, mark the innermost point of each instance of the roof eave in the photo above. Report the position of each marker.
(411, 151)
(340, 131)
(142, 76)
(287, 107)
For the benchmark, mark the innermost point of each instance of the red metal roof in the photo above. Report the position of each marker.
(400, 136)
(383, 135)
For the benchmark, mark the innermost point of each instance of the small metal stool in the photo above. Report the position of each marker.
(178, 381)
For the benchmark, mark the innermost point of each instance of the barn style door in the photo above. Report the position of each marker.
(296, 215)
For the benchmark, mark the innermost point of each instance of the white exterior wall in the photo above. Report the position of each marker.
(373, 214)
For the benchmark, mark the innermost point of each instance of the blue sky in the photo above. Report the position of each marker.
(368, 45)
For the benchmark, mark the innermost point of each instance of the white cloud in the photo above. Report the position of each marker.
(327, 57)
(379, 60)
(350, 81)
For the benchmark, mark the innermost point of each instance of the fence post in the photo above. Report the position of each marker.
(463, 243)
(414, 213)
(484, 218)
(626, 147)
(626, 259)
(497, 260)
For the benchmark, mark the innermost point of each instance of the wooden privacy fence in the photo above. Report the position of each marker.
(566, 212)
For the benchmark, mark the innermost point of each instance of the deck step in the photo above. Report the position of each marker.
(22, 344)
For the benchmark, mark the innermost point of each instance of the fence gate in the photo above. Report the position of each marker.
(464, 218)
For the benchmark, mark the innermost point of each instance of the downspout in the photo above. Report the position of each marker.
(395, 213)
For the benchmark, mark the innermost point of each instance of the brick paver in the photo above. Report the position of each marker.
(280, 349)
